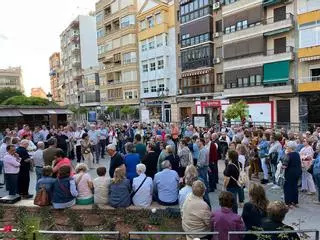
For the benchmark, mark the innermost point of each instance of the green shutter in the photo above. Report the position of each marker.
(266, 3)
(276, 72)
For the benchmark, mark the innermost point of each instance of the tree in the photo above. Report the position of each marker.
(28, 101)
(127, 110)
(110, 109)
(237, 110)
(6, 93)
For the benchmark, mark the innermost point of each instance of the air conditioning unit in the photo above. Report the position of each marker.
(216, 34)
(217, 60)
(179, 92)
(216, 6)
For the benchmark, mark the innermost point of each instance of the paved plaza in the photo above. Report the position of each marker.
(307, 215)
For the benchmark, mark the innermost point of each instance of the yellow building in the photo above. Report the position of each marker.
(38, 92)
(157, 41)
(309, 60)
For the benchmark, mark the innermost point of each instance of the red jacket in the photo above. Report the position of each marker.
(213, 154)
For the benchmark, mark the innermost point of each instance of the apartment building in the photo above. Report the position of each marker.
(309, 60)
(118, 52)
(258, 56)
(197, 87)
(57, 89)
(38, 92)
(157, 59)
(90, 89)
(11, 78)
(78, 52)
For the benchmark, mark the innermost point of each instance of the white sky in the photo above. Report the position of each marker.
(29, 34)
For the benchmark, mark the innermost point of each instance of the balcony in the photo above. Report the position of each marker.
(266, 27)
(198, 89)
(250, 61)
(236, 90)
(267, 3)
(75, 50)
(122, 12)
(203, 62)
(76, 63)
(239, 6)
(76, 75)
(309, 84)
(75, 39)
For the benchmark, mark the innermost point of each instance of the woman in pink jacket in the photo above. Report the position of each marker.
(224, 220)
(62, 160)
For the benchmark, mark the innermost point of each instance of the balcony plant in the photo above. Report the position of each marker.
(237, 111)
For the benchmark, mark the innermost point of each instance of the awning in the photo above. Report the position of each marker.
(307, 59)
(274, 32)
(266, 3)
(60, 111)
(196, 72)
(10, 113)
(276, 72)
(44, 111)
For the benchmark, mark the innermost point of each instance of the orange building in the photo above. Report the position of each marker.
(38, 92)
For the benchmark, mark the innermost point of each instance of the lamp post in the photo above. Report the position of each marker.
(162, 94)
(49, 96)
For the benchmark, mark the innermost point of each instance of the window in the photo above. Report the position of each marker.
(144, 67)
(116, 43)
(252, 80)
(129, 57)
(128, 95)
(309, 34)
(158, 17)
(159, 40)
(280, 45)
(108, 47)
(232, 28)
(245, 82)
(127, 20)
(153, 88)
(152, 66)
(161, 87)
(227, 30)
(99, 17)
(239, 81)
(151, 43)
(100, 33)
(144, 46)
(160, 63)
(100, 49)
(315, 74)
(244, 24)
(279, 14)
(258, 80)
(150, 21)
(145, 90)
(143, 25)
(219, 78)
(239, 26)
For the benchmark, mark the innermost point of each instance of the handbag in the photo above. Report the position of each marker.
(134, 193)
(42, 197)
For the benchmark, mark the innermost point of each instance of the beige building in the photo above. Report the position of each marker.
(38, 92)
(11, 78)
(118, 52)
(56, 87)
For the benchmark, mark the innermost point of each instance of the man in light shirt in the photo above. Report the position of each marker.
(203, 162)
(38, 159)
(94, 136)
(143, 195)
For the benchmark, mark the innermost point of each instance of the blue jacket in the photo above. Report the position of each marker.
(263, 148)
(131, 160)
(48, 183)
(119, 194)
(61, 191)
(316, 165)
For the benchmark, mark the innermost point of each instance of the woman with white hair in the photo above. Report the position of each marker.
(292, 166)
(84, 185)
(142, 188)
(306, 155)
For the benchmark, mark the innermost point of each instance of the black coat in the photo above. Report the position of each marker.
(270, 225)
(151, 161)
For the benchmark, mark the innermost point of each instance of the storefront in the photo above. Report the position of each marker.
(211, 107)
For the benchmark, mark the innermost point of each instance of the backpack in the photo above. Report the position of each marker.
(243, 179)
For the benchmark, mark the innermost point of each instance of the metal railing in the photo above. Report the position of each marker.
(141, 235)
(281, 234)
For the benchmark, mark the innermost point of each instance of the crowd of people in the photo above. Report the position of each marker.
(169, 165)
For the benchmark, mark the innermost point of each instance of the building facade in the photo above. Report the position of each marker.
(118, 53)
(57, 89)
(11, 78)
(157, 59)
(90, 88)
(78, 52)
(259, 65)
(309, 61)
(38, 92)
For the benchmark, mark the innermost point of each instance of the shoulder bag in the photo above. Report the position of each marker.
(134, 193)
(42, 197)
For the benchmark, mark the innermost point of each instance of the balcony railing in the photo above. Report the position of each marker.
(197, 89)
(203, 62)
(310, 79)
(264, 26)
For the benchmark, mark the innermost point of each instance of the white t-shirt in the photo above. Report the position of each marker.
(242, 160)
(82, 185)
(101, 185)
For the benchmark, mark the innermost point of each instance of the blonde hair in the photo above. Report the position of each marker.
(190, 175)
(198, 188)
(119, 175)
(81, 167)
(258, 197)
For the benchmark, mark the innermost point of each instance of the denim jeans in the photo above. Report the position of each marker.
(212, 178)
(235, 191)
(317, 182)
(12, 183)
(96, 150)
(203, 173)
(38, 172)
(102, 146)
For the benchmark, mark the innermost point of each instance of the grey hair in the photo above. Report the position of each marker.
(292, 145)
(141, 168)
(81, 167)
(111, 147)
(169, 149)
(166, 164)
(24, 141)
(207, 135)
(129, 147)
(40, 145)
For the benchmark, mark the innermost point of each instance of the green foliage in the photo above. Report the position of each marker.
(6, 93)
(27, 101)
(237, 110)
(78, 110)
(27, 224)
(110, 109)
(127, 110)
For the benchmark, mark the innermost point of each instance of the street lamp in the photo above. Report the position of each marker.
(49, 96)
(162, 94)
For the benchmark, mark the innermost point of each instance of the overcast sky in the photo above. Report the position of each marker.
(29, 34)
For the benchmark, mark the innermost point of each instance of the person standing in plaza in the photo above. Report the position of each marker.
(24, 173)
(103, 140)
(203, 162)
(38, 159)
(263, 149)
(12, 165)
(86, 150)
(150, 160)
(94, 137)
(37, 136)
(77, 138)
(50, 153)
(3, 152)
(139, 146)
(306, 155)
(116, 159)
